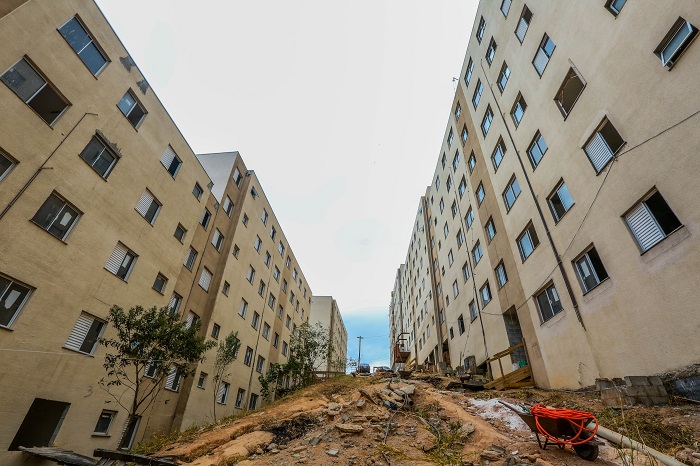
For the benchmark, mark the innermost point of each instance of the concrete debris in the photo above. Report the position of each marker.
(333, 452)
(688, 456)
(361, 403)
(466, 430)
(315, 440)
(491, 455)
(633, 390)
(298, 449)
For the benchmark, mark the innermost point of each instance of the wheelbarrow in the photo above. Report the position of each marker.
(562, 432)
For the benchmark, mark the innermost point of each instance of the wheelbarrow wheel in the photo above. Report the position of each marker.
(587, 451)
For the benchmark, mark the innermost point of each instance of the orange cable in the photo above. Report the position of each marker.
(578, 420)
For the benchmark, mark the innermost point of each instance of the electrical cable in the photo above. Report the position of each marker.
(577, 419)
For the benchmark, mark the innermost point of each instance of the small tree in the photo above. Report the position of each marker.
(226, 353)
(148, 341)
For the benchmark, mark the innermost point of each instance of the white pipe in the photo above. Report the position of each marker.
(629, 443)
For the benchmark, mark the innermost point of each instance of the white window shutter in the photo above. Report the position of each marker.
(222, 392)
(190, 319)
(505, 7)
(598, 151)
(541, 60)
(116, 259)
(168, 157)
(170, 381)
(205, 279)
(215, 238)
(644, 226)
(145, 202)
(79, 332)
(522, 29)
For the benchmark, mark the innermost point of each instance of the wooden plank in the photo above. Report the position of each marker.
(60, 456)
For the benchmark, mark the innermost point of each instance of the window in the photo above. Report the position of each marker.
(490, 229)
(511, 193)
(503, 77)
(248, 358)
(56, 216)
(204, 221)
(172, 382)
(527, 241)
(273, 233)
(454, 208)
(276, 274)
(276, 340)
(544, 53)
(452, 333)
(190, 258)
(651, 221)
(518, 110)
(255, 321)
(41, 424)
(271, 301)
(180, 232)
(96, 154)
(35, 91)
(160, 283)
(284, 285)
(458, 111)
(477, 254)
(148, 206)
(465, 135)
(260, 364)
(245, 220)
(560, 201)
(294, 274)
(469, 218)
(174, 304)
(261, 288)
(590, 270)
(443, 161)
(465, 271)
(250, 276)
(486, 122)
(228, 206)
(171, 161)
(236, 250)
(288, 321)
(462, 187)
(280, 249)
(450, 258)
(469, 72)
(615, 6)
(450, 138)
(284, 348)
(473, 313)
(472, 162)
(215, 330)
(268, 259)
(222, 395)
(480, 30)
(6, 164)
(548, 303)
(253, 401)
(485, 292)
(523, 24)
(480, 193)
(217, 239)
(243, 309)
(460, 238)
(448, 185)
(505, 7)
(266, 331)
(537, 149)
(442, 205)
(237, 177)
(132, 109)
(603, 145)
(205, 279)
(501, 276)
(569, 92)
(455, 289)
(675, 42)
(264, 217)
(460, 324)
(287, 262)
(239, 397)
(202, 379)
(455, 160)
(446, 230)
(121, 262)
(104, 422)
(253, 192)
(498, 153)
(257, 244)
(226, 288)
(491, 51)
(85, 334)
(478, 90)
(84, 45)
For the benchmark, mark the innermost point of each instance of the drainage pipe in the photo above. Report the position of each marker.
(627, 442)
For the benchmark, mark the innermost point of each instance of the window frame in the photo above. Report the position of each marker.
(488, 115)
(546, 291)
(677, 27)
(74, 222)
(541, 47)
(105, 147)
(491, 51)
(504, 73)
(534, 240)
(99, 48)
(137, 103)
(571, 74)
(586, 256)
(509, 187)
(555, 192)
(535, 143)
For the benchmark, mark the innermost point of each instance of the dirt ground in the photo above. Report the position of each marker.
(368, 420)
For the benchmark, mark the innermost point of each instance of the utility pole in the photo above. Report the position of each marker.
(359, 352)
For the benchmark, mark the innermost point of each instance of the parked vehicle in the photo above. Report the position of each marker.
(363, 369)
(380, 369)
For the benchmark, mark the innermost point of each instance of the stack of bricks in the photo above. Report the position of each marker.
(633, 390)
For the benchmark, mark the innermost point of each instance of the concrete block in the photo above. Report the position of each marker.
(612, 397)
(636, 380)
(656, 380)
(658, 400)
(619, 382)
(601, 384)
(642, 391)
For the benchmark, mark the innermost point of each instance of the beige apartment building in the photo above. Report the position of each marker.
(103, 202)
(561, 210)
(325, 311)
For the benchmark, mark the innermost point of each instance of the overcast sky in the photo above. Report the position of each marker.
(339, 107)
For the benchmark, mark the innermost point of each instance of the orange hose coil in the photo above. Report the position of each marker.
(578, 420)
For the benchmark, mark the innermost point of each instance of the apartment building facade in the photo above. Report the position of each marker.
(561, 216)
(325, 311)
(103, 202)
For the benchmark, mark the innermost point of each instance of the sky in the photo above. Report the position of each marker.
(340, 108)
